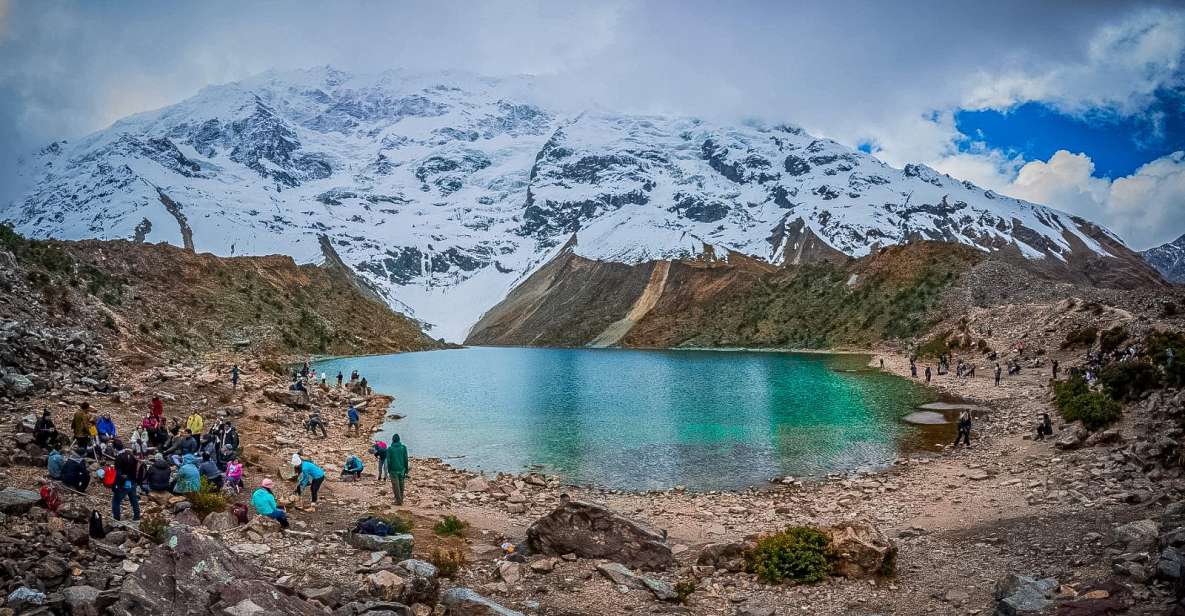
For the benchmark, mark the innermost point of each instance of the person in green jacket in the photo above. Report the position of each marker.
(397, 467)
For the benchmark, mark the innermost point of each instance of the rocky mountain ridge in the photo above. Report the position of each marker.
(445, 191)
(1168, 259)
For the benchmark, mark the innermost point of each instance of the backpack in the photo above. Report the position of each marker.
(109, 476)
(96, 525)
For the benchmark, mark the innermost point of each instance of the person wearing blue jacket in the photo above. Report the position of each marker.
(105, 427)
(55, 464)
(188, 477)
(353, 467)
(310, 475)
(265, 503)
(352, 416)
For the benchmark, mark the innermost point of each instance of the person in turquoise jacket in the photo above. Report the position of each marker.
(188, 477)
(353, 467)
(310, 475)
(265, 503)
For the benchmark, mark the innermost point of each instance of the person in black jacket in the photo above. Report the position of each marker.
(160, 475)
(75, 474)
(127, 481)
(964, 434)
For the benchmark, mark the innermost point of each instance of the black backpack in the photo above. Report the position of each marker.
(96, 524)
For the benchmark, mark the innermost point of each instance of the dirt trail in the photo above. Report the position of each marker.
(643, 305)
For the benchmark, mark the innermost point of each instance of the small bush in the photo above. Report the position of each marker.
(450, 525)
(1158, 345)
(153, 526)
(1129, 380)
(207, 499)
(684, 590)
(1112, 338)
(797, 554)
(1076, 402)
(447, 562)
(1083, 337)
(935, 347)
(398, 523)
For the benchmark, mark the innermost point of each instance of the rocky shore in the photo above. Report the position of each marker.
(1086, 522)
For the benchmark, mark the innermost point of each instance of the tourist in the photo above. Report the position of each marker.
(54, 463)
(353, 418)
(105, 427)
(913, 369)
(44, 433)
(75, 474)
(81, 425)
(927, 375)
(339, 379)
(188, 476)
(195, 423)
(49, 496)
(234, 475)
(234, 377)
(1055, 365)
(353, 467)
(140, 442)
(379, 451)
(363, 388)
(210, 471)
(311, 475)
(158, 407)
(160, 475)
(964, 433)
(265, 503)
(882, 363)
(397, 467)
(997, 374)
(1044, 427)
(315, 423)
(127, 482)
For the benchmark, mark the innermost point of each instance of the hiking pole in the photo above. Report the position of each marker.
(89, 498)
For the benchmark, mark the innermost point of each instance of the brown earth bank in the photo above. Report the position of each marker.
(1092, 523)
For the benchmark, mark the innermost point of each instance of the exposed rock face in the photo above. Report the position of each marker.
(16, 501)
(1168, 259)
(465, 602)
(861, 551)
(194, 574)
(592, 531)
(1019, 595)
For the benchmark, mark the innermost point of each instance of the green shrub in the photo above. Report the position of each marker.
(1158, 345)
(1083, 337)
(450, 525)
(398, 523)
(1076, 402)
(797, 554)
(207, 499)
(447, 562)
(153, 526)
(935, 347)
(1112, 338)
(1127, 381)
(684, 590)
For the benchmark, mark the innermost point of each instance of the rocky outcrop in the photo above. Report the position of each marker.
(193, 574)
(861, 550)
(1168, 259)
(1019, 595)
(593, 531)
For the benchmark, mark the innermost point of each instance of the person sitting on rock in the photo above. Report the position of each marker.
(1044, 427)
(210, 471)
(44, 433)
(234, 475)
(140, 442)
(54, 464)
(188, 476)
(75, 474)
(160, 475)
(353, 467)
(106, 427)
(311, 475)
(265, 504)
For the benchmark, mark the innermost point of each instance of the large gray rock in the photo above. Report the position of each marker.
(87, 600)
(421, 583)
(398, 546)
(465, 602)
(620, 574)
(1019, 595)
(287, 397)
(592, 531)
(860, 550)
(1072, 437)
(219, 521)
(14, 501)
(1138, 536)
(193, 574)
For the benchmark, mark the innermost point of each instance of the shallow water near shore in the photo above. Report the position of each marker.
(640, 420)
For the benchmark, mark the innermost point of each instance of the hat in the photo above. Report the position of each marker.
(267, 483)
(296, 459)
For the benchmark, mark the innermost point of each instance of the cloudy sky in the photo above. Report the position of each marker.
(1079, 105)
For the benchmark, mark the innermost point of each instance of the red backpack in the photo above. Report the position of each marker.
(109, 476)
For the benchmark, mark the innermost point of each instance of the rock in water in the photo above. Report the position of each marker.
(14, 501)
(465, 602)
(194, 574)
(1020, 595)
(861, 551)
(592, 531)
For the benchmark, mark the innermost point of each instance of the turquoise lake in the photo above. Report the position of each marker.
(643, 420)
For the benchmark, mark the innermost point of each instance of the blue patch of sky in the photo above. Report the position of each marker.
(1118, 145)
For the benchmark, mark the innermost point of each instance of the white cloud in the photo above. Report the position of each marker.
(1146, 208)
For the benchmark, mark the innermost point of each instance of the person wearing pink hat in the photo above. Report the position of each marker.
(265, 503)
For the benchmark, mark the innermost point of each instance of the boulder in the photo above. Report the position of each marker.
(14, 501)
(1019, 595)
(287, 397)
(329, 596)
(398, 546)
(84, 600)
(621, 575)
(192, 574)
(1071, 438)
(374, 608)
(1138, 536)
(861, 550)
(477, 484)
(421, 583)
(385, 584)
(465, 602)
(593, 531)
(264, 525)
(727, 556)
(220, 521)
(188, 518)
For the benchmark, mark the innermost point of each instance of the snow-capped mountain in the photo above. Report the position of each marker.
(445, 190)
(1168, 259)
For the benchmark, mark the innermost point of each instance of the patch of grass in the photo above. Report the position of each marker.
(797, 554)
(450, 526)
(153, 526)
(684, 590)
(207, 499)
(448, 562)
(1076, 402)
